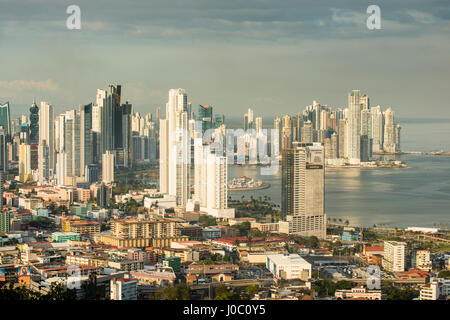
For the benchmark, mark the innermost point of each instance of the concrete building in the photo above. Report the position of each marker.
(288, 266)
(65, 236)
(394, 256)
(358, 293)
(123, 289)
(210, 182)
(175, 148)
(108, 167)
(435, 289)
(46, 142)
(303, 185)
(421, 260)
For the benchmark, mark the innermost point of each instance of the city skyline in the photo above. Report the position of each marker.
(242, 150)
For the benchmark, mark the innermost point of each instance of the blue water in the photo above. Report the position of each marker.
(416, 196)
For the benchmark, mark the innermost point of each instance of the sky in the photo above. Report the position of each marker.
(271, 55)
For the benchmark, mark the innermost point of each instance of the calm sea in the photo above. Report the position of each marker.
(416, 196)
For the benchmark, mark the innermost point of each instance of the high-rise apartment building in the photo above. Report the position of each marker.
(303, 189)
(108, 167)
(3, 149)
(1, 189)
(205, 116)
(389, 144)
(354, 125)
(25, 162)
(394, 256)
(86, 137)
(377, 129)
(175, 148)
(34, 124)
(46, 149)
(5, 221)
(5, 119)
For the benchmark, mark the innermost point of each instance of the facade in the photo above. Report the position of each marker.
(5, 222)
(205, 116)
(175, 148)
(303, 185)
(389, 144)
(394, 256)
(436, 289)
(5, 118)
(421, 260)
(210, 181)
(354, 124)
(288, 266)
(65, 236)
(358, 293)
(123, 289)
(46, 141)
(108, 167)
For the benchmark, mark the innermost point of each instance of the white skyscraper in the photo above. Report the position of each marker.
(175, 148)
(377, 129)
(108, 167)
(250, 117)
(354, 134)
(46, 138)
(61, 171)
(389, 144)
(258, 124)
(210, 189)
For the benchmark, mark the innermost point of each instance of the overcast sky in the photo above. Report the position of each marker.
(272, 55)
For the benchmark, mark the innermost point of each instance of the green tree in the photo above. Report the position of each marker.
(176, 292)
(222, 293)
(313, 242)
(252, 289)
(444, 274)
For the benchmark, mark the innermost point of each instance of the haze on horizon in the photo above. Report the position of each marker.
(273, 56)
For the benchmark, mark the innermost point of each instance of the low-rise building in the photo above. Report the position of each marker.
(436, 289)
(65, 236)
(421, 260)
(288, 266)
(123, 289)
(360, 292)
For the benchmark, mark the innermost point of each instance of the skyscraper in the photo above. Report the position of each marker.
(3, 150)
(354, 125)
(377, 129)
(126, 134)
(46, 138)
(1, 189)
(110, 100)
(205, 116)
(86, 137)
(34, 124)
(175, 148)
(303, 189)
(389, 131)
(25, 162)
(5, 119)
(108, 167)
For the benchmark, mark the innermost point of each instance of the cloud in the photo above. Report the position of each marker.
(422, 17)
(17, 85)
